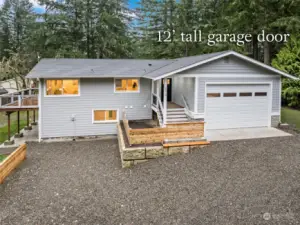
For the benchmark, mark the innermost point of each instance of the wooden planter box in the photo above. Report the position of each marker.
(12, 161)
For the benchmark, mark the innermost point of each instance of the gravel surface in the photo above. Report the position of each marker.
(234, 182)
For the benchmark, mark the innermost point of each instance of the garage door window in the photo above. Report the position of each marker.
(258, 94)
(245, 94)
(213, 95)
(229, 94)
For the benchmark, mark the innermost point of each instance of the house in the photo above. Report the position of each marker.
(11, 85)
(83, 97)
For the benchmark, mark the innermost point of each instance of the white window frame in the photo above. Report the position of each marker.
(61, 96)
(127, 78)
(105, 121)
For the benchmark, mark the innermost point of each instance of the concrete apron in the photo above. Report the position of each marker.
(244, 133)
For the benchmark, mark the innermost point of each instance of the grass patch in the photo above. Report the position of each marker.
(2, 157)
(13, 129)
(290, 116)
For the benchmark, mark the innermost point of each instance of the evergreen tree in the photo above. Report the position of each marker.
(288, 60)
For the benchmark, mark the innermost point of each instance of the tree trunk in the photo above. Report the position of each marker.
(255, 47)
(267, 59)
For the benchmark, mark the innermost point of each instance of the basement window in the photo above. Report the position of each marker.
(105, 116)
(127, 85)
(62, 87)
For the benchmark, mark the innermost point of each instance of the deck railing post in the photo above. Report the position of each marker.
(19, 100)
(12, 98)
(29, 92)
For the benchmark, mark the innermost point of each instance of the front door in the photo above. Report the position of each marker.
(169, 94)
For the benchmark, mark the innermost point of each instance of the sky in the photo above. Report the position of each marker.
(39, 9)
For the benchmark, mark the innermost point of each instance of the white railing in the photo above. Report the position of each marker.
(186, 106)
(24, 98)
(157, 105)
(189, 113)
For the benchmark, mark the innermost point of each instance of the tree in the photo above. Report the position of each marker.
(288, 60)
(16, 67)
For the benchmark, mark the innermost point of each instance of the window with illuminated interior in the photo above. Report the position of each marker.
(104, 116)
(127, 85)
(62, 87)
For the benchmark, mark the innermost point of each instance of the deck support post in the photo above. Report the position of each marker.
(165, 100)
(28, 127)
(18, 122)
(33, 123)
(8, 142)
(19, 134)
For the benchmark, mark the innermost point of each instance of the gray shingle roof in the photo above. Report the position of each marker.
(3, 91)
(181, 63)
(76, 68)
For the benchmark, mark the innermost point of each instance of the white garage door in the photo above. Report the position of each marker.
(237, 106)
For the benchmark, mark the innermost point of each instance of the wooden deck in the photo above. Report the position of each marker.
(172, 105)
(19, 101)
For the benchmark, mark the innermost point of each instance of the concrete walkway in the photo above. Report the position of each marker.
(244, 133)
(29, 135)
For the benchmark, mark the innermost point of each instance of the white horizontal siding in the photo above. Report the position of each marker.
(227, 65)
(95, 93)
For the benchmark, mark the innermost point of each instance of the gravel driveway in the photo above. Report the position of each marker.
(235, 182)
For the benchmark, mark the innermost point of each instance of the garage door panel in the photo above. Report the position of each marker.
(234, 112)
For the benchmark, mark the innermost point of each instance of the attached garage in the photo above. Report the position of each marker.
(238, 105)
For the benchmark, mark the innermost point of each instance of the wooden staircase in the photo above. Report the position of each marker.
(176, 115)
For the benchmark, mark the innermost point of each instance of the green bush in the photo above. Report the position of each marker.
(288, 60)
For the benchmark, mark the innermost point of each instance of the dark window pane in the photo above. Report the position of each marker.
(213, 95)
(229, 95)
(261, 94)
(245, 94)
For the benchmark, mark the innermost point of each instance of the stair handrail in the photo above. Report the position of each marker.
(160, 109)
(185, 103)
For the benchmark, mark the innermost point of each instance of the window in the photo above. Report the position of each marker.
(261, 94)
(127, 85)
(245, 94)
(229, 94)
(100, 116)
(213, 95)
(62, 87)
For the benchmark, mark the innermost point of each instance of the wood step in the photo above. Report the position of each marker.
(193, 143)
(177, 120)
(176, 116)
(176, 113)
(178, 140)
(174, 110)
